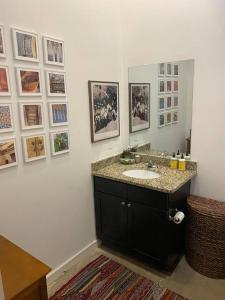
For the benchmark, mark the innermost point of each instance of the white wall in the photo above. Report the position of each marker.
(160, 30)
(47, 206)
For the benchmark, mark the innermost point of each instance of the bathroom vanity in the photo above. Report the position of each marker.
(133, 215)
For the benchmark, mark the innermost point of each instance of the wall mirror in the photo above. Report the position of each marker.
(160, 102)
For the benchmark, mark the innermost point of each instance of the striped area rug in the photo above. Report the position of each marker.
(104, 279)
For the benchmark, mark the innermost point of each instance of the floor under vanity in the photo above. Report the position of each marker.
(184, 280)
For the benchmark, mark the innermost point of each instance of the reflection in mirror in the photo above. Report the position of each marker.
(168, 102)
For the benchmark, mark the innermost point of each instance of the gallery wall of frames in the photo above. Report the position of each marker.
(35, 99)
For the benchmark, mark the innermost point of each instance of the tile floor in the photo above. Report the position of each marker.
(184, 280)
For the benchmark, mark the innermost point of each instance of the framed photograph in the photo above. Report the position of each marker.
(4, 81)
(60, 142)
(29, 82)
(8, 153)
(161, 69)
(56, 83)
(31, 115)
(162, 86)
(104, 110)
(169, 69)
(2, 42)
(161, 120)
(175, 70)
(168, 118)
(139, 95)
(25, 45)
(175, 86)
(168, 102)
(168, 86)
(175, 101)
(161, 103)
(34, 147)
(58, 114)
(53, 51)
(175, 117)
(6, 118)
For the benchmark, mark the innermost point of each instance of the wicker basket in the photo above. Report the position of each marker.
(205, 238)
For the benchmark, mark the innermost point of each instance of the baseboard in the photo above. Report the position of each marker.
(54, 274)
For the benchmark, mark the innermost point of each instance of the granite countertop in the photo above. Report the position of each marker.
(169, 181)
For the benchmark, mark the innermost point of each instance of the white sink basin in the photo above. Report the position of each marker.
(141, 174)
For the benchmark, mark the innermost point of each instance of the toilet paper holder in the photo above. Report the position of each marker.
(176, 215)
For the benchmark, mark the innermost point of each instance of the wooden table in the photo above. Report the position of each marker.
(23, 276)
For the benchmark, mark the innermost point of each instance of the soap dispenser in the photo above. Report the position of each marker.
(173, 162)
(178, 155)
(182, 163)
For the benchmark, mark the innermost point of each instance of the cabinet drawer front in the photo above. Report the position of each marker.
(110, 187)
(154, 199)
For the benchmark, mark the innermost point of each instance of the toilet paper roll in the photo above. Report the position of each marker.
(178, 218)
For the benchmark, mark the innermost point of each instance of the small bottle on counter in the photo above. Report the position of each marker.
(178, 155)
(173, 162)
(182, 163)
(187, 156)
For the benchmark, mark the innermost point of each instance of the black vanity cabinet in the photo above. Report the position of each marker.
(136, 220)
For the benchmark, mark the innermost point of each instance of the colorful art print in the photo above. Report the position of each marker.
(168, 69)
(34, 147)
(168, 86)
(58, 114)
(161, 120)
(168, 118)
(161, 86)
(175, 117)
(8, 153)
(161, 103)
(25, 45)
(168, 102)
(175, 86)
(175, 70)
(175, 101)
(6, 119)
(60, 142)
(2, 42)
(4, 81)
(53, 51)
(161, 69)
(29, 82)
(56, 83)
(31, 115)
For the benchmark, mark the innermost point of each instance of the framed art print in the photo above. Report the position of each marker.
(168, 118)
(56, 83)
(175, 101)
(162, 86)
(168, 86)
(161, 67)
(4, 81)
(175, 117)
(8, 153)
(53, 51)
(58, 114)
(104, 110)
(139, 104)
(168, 69)
(168, 102)
(175, 70)
(2, 42)
(60, 142)
(6, 118)
(25, 45)
(175, 86)
(161, 120)
(29, 82)
(31, 115)
(34, 147)
(161, 103)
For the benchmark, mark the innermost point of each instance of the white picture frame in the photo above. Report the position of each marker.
(175, 86)
(5, 87)
(161, 120)
(31, 113)
(29, 84)
(161, 103)
(175, 117)
(161, 86)
(168, 86)
(25, 45)
(175, 101)
(161, 69)
(54, 91)
(58, 113)
(175, 70)
(9, 158)
(168, 102)
(6, 117)
(54, 53)
(34, 147)
(2, 42)
(169, 69)
(168, 118)
(55, 150)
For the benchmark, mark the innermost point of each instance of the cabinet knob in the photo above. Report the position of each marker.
(123, 203)
(129, 205)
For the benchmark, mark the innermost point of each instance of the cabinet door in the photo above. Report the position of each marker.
(113, 219)
(147, 231)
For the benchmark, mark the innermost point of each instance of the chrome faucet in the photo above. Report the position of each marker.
(150, 165)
